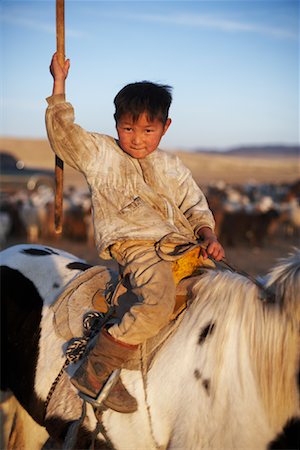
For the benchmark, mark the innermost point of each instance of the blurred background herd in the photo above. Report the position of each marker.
(248, 214)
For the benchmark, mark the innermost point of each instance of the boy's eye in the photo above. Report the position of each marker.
(127, 128)
(149, 130)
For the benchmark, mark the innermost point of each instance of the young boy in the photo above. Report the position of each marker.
(140, 194)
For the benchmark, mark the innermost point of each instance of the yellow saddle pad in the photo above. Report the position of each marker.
(183, 269)
(187, 264)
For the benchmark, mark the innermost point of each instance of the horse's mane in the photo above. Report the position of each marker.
(284, 279)
(251, 332)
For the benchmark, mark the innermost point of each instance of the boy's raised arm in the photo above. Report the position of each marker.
(71, 143)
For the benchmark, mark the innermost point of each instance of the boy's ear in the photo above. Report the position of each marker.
(167, 124)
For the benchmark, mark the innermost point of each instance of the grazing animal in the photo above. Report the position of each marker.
(250, 227)
(224, 377)
(5, 226)
(293, 214)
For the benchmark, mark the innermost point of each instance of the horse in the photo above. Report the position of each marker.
(223, 376)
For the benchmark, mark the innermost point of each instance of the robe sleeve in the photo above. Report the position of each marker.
(74, 145)
(192, 201)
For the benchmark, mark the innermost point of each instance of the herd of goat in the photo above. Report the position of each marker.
(248, 214)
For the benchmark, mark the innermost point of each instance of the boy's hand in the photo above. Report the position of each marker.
(213, 246)
(59, 74)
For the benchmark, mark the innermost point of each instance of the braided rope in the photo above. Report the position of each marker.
(54, 384)
(77, 347)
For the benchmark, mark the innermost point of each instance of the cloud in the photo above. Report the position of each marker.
(214, 23)
(35, 25)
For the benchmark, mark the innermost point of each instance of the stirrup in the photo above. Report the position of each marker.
(103, 393)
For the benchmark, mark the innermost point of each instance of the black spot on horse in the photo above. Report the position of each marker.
(77, 265)
(197, 374)
(53, 252)
(37, 251)
(55, 286)
(206, 331)
(206, 385)
(21, 312)
(205, 382)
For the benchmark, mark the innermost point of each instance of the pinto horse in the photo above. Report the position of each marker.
(224, 377)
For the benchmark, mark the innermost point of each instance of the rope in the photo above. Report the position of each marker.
(76, 348)
(100, 428)
(94, 435)
(92, 322)
(54, 384)
(268, 296)
(177, 251)
(184, 248)
(144, 378)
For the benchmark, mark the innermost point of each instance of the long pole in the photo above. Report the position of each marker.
(59, 164)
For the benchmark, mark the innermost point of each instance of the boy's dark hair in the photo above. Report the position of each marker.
(143, 96)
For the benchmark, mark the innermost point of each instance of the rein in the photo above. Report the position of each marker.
(145, 364)
(268, 296)
(144, 372)
(181, 249)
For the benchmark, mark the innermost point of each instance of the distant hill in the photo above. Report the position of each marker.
(260, 151)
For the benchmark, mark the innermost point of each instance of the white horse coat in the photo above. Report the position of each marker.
(226, 378)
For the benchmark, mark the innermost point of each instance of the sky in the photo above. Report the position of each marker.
(233, 66)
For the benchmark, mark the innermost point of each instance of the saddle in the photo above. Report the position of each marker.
(98, 287)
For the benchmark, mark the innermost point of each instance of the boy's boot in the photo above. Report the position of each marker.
(107, 355)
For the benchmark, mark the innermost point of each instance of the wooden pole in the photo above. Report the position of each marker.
(59, 164)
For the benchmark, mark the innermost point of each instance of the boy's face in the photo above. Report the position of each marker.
(142, 137)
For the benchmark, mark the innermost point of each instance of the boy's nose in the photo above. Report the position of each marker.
(136, 139)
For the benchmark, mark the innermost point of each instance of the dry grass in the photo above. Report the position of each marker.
(234, 169)
(38, 153)
(205, 167)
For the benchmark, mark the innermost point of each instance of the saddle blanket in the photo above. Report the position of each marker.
(85, 293)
